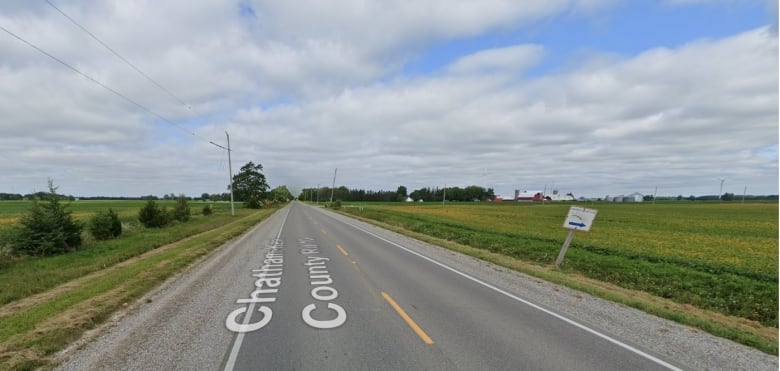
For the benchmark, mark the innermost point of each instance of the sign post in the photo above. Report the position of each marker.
(579, 219)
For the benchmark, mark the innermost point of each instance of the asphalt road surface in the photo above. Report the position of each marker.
(308, 289)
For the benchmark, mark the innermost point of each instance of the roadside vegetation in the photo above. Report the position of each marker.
(67, 265)
(50, 302)
(709, 265)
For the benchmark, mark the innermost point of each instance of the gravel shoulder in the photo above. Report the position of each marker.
(669, 340)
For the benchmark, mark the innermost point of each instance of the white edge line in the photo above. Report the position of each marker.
(231, 362)
(526, 302)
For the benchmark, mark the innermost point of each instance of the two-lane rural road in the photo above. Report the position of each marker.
(309, 289)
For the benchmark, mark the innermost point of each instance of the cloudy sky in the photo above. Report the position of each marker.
(592, 97)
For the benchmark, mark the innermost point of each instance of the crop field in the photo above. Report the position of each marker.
(10, 211)
(721, 257)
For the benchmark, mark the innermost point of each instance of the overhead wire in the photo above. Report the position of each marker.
(104, 86)
(120, 56)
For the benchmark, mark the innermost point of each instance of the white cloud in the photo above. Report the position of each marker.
(692, 112)
(306, 87)
(510, 59)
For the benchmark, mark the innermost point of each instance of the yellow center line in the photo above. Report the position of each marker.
(342, 250)
(409, 321)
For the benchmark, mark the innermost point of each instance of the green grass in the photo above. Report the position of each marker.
(32, 328)
(10, 211)
(721, 257)
(24, 276)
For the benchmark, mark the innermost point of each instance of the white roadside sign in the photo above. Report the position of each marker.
(580, 218)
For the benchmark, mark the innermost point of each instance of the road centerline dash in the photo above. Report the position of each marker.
(409, 321)
(517, 298)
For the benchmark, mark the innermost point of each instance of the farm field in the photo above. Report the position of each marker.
(10, 211)
(720, 257)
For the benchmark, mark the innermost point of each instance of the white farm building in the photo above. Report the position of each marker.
(634, 197)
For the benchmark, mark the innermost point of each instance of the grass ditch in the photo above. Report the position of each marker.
(29, 275)
(33, 329)
(650, 289)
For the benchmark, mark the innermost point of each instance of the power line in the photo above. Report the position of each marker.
(120, 57)
(104, 86)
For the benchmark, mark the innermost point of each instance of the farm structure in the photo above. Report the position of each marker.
(634, 197)
(539, 196)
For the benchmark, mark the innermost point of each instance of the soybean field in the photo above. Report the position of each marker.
(721, 257)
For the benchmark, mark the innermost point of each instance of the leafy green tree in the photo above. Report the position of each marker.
(401, 193)
(105, 225)
(249, 183)
(281, 194)
(48, 228)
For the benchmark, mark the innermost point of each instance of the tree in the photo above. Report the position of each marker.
(48, 228)
(181, 211)
(152, 216)
(401, 193)
(281, 194)
(105, 225)
(249, 183)
(727, 197)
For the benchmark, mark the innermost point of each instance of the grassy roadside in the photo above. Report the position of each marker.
(100, 282)
(741, 330)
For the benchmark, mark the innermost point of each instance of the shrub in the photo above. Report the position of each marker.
(105, 225)
(252, 203)
(208, 209)
(48, 228)
(181, 211)
(152, 216)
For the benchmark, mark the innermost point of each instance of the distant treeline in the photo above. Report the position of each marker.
(427, 194)
(725, 197)
(342, 193)
(43, 195)
(345, 194)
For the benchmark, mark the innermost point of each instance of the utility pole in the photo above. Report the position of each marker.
(318, 195)
(230, 170)
(333, 187)
(444, 199)
(655, 193)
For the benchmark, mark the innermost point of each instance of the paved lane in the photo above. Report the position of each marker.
(392, 309)
(362, 332)
(310, 289)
